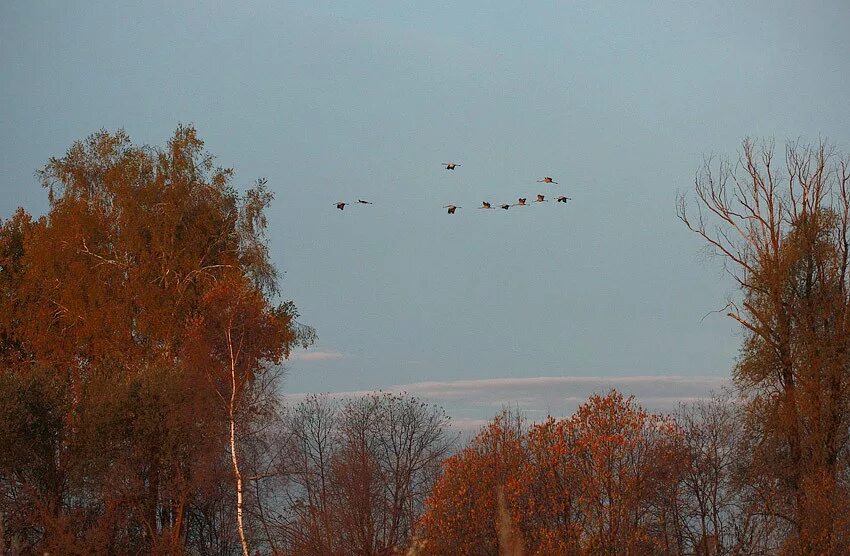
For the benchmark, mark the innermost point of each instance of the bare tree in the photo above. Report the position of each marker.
(411, 444)
(718, 504)
(354, 473)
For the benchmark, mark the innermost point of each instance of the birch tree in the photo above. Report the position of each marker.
(114, 439)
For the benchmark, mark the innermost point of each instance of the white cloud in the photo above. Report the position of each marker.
(471, 403)
(315, 356)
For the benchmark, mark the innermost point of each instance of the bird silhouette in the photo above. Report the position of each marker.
(341, 205)
(362, 202)
(547, 179)
(505, 206)
(450, 165)
(520, 202)
(562, 199)
(452, 208)
(540, 199)
(485, 205)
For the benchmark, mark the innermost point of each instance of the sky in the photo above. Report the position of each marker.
(618, 101)
(470, 404)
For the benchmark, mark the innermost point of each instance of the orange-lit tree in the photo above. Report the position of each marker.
(114, 441)
(782, 228)
(600, 482)
(626, 464)
(463, 506)
(236, 333)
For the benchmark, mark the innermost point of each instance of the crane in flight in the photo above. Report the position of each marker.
(452, 208)
(450, 165)
(547, 179)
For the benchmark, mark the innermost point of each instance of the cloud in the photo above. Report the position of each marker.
(315, 356)
(471, 403)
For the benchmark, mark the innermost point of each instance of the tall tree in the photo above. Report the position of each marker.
(102, 301)
(234, 335)
(781, 227)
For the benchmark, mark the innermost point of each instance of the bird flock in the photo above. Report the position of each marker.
(451, 208)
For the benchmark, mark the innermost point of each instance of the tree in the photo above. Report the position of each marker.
(623, 464)
(783, 235)
(312, 430)
(104, 302)
(600, 482)
(463, 507)
(719, 501)
(392, 448)
(351, 476)
(236, 333)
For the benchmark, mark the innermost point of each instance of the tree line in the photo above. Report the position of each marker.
(142, 332)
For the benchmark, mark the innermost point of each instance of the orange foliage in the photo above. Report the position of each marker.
(260, 333)
(462, 509)
(596, 483)
(110, 415)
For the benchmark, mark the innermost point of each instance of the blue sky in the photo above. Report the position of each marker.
(334, 101)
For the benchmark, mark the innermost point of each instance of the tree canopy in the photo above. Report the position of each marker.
(113, 312)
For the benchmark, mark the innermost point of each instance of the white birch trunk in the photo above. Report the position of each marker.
(237, 474)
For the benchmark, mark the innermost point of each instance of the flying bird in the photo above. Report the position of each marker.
(452, 208)
(362, 202)
(540, 199)
(450, 165)
(563, 199)
(505, 206)
(485, 205)
(547, 179)
(520, 202)
(341, 205)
